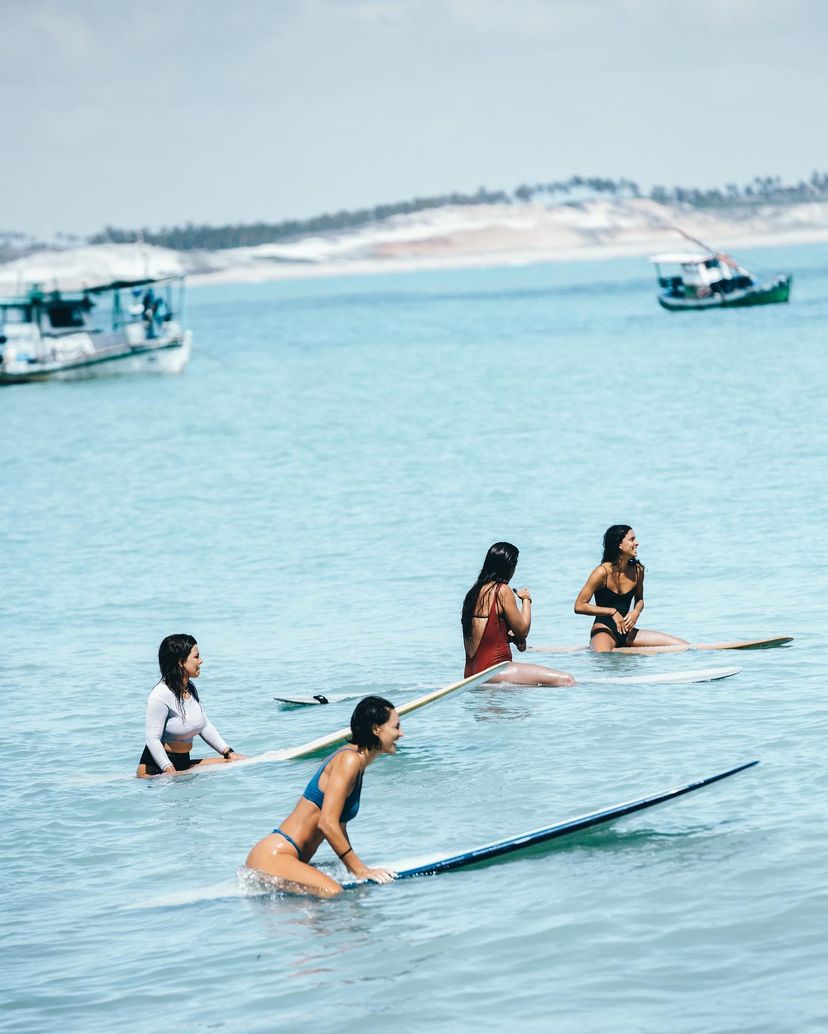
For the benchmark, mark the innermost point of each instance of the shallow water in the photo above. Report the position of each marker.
(311, 501)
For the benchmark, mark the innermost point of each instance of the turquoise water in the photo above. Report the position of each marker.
(312, 500)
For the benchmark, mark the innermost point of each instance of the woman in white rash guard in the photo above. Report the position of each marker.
(175, 715)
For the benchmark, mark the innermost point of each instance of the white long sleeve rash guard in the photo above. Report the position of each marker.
(169, 720)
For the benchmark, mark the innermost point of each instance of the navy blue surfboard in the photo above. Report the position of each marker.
(562, 829)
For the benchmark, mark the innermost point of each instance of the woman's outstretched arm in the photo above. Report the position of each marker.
(343, 773)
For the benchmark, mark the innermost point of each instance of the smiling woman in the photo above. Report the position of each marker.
(175, 715)
(328, 803)
(617, 580)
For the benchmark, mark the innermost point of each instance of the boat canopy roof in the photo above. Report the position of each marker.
(94, 269)
(694, 258)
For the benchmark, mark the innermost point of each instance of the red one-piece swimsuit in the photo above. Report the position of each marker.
(494, 644)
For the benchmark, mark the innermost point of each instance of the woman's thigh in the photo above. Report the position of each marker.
(602, 642)
(287, 867)
(533, 675)
(274, 856)
(646, 637)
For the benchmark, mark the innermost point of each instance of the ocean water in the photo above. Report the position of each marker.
(311, 501)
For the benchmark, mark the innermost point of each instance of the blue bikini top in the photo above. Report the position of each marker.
(316, 796)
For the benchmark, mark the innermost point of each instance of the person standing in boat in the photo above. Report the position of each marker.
(175, 715)
(615, 584)
(492, 621)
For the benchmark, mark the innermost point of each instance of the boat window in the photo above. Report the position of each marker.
(15, 314)
(66, 314)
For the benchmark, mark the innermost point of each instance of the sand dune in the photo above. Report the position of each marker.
(450, 237)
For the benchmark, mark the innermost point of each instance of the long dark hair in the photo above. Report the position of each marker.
(613, 537)
(172, 653)
(499, 566)
(370, 711)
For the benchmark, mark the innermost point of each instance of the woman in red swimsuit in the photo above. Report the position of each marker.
(492, 621)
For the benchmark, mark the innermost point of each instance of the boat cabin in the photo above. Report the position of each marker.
(697, 275)
(61, 332)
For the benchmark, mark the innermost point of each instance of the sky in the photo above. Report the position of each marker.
(164, 112)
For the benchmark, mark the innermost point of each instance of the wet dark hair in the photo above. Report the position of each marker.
(370, 711)
(613, 537)
(499, 566)
(172, 653)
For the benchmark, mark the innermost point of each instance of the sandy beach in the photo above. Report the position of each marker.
(491, 235)
(443, 238)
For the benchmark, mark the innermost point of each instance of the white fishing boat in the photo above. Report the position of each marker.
(81, 321)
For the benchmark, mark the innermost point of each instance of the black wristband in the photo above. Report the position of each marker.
(341, 856)
(226, 753)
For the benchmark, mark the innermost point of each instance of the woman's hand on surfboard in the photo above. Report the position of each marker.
(233, 756)
(376, 875)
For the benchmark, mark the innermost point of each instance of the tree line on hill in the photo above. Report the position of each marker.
(575, 190)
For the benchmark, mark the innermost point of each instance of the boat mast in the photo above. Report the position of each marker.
(716, 254)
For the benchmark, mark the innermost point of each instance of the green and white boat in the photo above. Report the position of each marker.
(712, 280)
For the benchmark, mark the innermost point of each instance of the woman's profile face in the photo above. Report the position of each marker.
(192, 666)
(629, 543)
(388, 733)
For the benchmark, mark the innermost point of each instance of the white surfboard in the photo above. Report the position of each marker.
(666, 678)
(743, 644)
(306, 750)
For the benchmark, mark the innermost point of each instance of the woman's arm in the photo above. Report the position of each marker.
(210, 734)
(519, 619)
(597, 580)
(342, 775)
(157, 712)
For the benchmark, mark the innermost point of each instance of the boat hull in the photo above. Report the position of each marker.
(168, 357)
(759, 294)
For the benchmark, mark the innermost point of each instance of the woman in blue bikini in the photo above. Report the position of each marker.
(328, 803)
(615, 583)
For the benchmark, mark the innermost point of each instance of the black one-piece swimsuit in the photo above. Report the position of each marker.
(619, 601)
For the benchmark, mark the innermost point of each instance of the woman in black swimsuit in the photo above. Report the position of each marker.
(615, 583)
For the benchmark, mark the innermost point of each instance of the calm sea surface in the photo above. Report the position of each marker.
(311, 501)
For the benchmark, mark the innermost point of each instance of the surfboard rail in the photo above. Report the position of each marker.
(738, 644)
(567, 828)
(341, 735)
(312, 747)
(663, 678)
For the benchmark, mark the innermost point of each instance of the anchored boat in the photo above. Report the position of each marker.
(77, 328)
(713, 280)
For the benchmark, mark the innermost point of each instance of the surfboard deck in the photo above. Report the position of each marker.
(745, 644)
(666, 678)
(334, 739)
(562, 829)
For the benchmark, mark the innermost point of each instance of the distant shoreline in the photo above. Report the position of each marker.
(495, 235)
(452, 237)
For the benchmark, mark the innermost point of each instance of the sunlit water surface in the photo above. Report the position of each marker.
(311, 500)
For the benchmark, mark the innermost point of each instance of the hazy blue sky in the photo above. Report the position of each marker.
(165, 111)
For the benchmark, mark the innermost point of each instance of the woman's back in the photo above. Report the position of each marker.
(488, 643)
